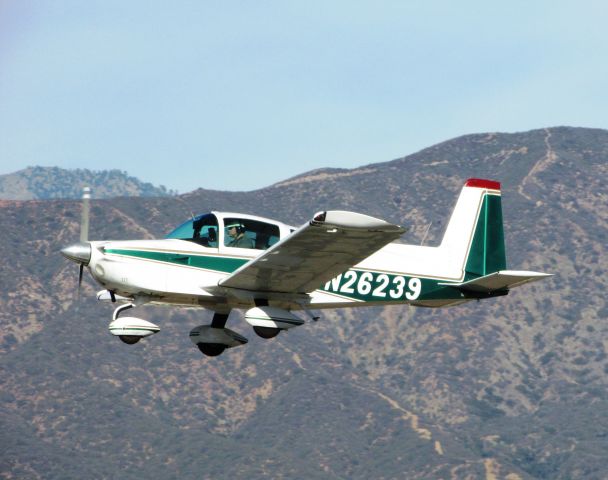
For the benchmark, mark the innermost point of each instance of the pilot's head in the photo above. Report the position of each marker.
(234, 229)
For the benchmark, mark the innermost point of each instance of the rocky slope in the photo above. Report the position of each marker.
(513, 387)
(34, 183)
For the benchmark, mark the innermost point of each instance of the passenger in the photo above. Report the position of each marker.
(236, 231)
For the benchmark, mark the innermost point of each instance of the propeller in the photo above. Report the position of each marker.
(80, 253)
(84, 230)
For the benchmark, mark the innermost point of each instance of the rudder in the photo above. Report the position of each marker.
(487, 252)
(475, 236)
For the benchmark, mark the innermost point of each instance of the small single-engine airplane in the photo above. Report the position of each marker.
(224, 261)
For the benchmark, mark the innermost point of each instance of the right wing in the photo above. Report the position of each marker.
(328, 245)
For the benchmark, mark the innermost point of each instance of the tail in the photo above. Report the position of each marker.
(474, 235)
(475, 239)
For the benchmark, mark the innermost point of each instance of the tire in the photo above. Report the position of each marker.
(129, 339)
(211, 349)
(267, 332)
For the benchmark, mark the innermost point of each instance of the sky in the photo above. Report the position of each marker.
(236, 95)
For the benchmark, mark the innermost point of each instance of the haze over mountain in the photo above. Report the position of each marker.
(41, 183)
(512, 387)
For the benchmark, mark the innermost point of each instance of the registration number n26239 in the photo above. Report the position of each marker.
(379, 285)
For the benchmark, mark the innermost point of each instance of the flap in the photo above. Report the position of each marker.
(319, 250)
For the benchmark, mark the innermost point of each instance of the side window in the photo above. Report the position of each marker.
(244, 233)
(272, 239)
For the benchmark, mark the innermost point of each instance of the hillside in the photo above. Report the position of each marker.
(43, 183)
(513, 387)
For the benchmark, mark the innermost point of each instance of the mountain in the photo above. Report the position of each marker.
(39, 183)
(512, 387)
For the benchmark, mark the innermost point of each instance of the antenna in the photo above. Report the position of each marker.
(180, 199)
(426, 232)
(84, 220)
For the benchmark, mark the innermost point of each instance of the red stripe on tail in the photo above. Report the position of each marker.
(481, 183)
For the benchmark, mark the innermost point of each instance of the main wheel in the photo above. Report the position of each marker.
(267, 332)
(211, 349)
(129, 339)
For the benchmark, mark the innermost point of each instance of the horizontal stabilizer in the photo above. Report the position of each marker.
(503, 280)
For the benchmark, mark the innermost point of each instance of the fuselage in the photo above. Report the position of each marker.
(184, 273)
(187, 267)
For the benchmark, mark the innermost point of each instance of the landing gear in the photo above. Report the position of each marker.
(266, 332)
(267, 321)
(130, 330)
(129, 339)
(211, 349)
(213, 339)
(214, 349)
(219, 320)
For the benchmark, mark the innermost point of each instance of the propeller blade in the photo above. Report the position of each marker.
(80, 270)
(84, 220)
(81, 252)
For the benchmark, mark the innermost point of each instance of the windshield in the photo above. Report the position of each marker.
(201, 230)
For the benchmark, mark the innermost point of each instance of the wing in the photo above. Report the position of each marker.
(329, 244)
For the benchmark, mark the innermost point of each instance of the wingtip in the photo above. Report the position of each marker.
(353, 220)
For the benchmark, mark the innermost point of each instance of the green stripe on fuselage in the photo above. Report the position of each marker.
(208, 262)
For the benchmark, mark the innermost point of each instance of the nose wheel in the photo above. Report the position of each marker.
(130, 330)
(121, 309)
(128, 339)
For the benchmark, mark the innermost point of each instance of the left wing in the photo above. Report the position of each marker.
(329, 244)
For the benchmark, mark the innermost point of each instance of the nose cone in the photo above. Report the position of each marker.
(79, 253)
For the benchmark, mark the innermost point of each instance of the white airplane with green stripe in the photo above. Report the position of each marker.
(223, 261)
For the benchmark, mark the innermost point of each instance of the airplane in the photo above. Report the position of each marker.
(225, 261)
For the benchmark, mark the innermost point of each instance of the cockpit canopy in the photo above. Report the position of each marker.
(231, 230)
(202, 230)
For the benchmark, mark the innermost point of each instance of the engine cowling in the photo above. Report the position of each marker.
(267, 322)
(132, 329)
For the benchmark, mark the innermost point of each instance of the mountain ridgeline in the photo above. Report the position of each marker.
(43, 183)
(511, 388)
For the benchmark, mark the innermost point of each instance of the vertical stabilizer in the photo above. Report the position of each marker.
(474, 236)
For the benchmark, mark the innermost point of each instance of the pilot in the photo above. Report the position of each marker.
(236, 232)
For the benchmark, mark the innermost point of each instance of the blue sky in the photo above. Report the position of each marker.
(239, 95)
